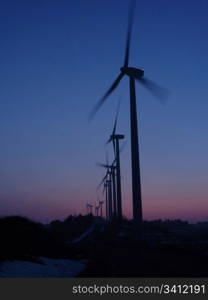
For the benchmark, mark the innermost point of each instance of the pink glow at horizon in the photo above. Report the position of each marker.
(154, 207)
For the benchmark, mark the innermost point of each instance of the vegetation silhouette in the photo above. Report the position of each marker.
(24, 239)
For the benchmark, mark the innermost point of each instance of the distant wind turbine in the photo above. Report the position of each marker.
(112, 181)
(105, 191)
(101, 208)
(106, 200)
(114, 138)
(89, 208)
(96, 210)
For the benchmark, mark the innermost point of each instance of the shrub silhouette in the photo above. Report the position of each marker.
(22, 238)
(19, 235)
(71, 228)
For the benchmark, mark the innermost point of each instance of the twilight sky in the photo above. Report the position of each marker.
(57, 59)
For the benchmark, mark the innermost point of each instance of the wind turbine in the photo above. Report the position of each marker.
(106, 200)
(109, 191)
(114, 138)
(96, 210)
(134, 74)
(89, 208)
(112, 187)
(105, 190)
(101, 208)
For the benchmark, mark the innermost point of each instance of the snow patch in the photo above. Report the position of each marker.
(48, 268)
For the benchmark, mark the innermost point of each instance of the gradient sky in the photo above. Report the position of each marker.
(57, 59)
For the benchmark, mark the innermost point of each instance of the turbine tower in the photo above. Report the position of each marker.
(134, 74)
(106, 200)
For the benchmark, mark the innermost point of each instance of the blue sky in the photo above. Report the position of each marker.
(57, 59)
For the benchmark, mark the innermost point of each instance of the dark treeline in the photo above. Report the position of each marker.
(22, 238)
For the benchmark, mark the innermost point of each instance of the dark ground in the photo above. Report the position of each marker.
(116, 259)
(168, 248)
(114, 256)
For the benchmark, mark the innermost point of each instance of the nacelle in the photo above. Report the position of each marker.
(133, 72)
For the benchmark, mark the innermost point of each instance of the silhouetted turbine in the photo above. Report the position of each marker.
(112, 180)
(96, 210)
(89, 208)
(114, 138)
(134, 74)
(101, 208)
(105, 191)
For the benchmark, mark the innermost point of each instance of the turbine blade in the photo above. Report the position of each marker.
(161, 93)
(114, 126)
(102, 165)
(109, 140)
(129, 31)
(116, 118)
(109, 91)
(114, 146)
(102, 181)
(113, 141)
